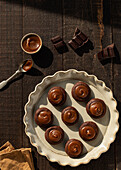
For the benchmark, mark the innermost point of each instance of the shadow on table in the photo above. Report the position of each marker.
(43, 58)
(111, 9)
(35, 161)
(85, 48)
(34, 72)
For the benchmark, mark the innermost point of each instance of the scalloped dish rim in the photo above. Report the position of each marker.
(106, 144)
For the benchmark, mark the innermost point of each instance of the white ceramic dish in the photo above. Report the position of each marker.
(108, 125)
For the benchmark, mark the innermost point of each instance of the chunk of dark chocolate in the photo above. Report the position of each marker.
(56, 39)
(100, 55)
(111, 50)
(76, 31)
(77, 40)
(59, 45)
(73, 45)
(107, 52)
(82, 36)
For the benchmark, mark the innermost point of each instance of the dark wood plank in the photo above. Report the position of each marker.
(47, 24)
(100, 35)
(116, 26)
(10, 58)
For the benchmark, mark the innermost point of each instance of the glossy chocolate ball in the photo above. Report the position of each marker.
(88, 130)
(54, 135)
(57, 96)
(70, 115)
(81, 91)
(96, 108)
(43, 117)
(74, 148)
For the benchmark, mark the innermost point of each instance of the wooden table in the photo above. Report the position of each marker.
(98, 19)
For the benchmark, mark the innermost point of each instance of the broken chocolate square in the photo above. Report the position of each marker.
(77, 40)
(82, 36)
(59, 44)
(111, 50)
(76, 31)
(73, 45)
(105, 52)
(100, 55)
(56, 39)
(108, 52)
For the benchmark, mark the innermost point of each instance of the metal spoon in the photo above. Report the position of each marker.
(20, 70)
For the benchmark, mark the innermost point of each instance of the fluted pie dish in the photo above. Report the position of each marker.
(107, 124)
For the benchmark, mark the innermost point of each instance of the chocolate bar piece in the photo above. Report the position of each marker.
(78, 40)
(73, 45)
(100, 55)
(59, 45)
(105, 52)
(56, 39)
(108, 52)
(111, 50)
(82, 36)
(76, 31)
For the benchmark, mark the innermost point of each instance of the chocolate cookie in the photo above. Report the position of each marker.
(81, 91)
(70, 115)
(74, 148)
(88, 131)
(96, 108)
(57, 96)
(43, 117)
(54, 135)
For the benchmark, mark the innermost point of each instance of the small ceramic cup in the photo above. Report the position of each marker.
(31, 43)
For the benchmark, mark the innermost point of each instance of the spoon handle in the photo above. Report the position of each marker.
(4, 82)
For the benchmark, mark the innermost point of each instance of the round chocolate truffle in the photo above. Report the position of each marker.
(96, 108)
(70, 115)
(57, 96)
(54, 135)
(74, 148)
(81, 91)
(88, 131)
(43, 117)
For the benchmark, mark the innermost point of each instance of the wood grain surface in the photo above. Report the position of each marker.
(100, 20)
